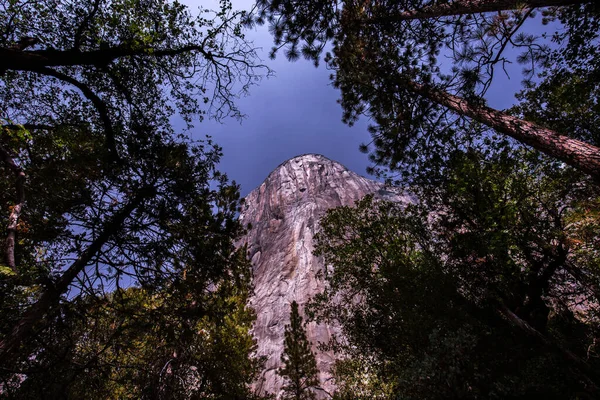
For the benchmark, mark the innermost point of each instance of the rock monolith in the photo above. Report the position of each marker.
(283, 213)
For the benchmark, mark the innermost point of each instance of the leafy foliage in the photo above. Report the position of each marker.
(566, 96)
(126, 282)
(479, 284)
(413, 67)
(357, 377)
(118, 65)
(179, 343)
(174, 241)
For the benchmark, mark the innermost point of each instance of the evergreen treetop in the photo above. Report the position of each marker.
(300, 366)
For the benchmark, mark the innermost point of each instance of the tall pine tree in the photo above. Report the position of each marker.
(300, 366)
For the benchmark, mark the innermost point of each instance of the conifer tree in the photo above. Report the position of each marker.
(300, 366)
(390, 61)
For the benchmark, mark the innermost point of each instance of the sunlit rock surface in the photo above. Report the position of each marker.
(284, 212)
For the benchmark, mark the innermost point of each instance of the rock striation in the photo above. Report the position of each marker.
(284, 213)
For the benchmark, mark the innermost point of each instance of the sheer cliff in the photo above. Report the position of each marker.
(284, 212)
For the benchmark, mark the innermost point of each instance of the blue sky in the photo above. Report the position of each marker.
(295, 112)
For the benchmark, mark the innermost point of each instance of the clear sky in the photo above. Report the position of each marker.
(295, 112)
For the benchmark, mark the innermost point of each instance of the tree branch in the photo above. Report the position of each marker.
(499, 314)
(24, 328)
(17, 60)
(84, 24)
(523, 326)
(96, 101)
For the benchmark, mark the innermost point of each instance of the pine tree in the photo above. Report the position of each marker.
(387, 63)
(300, 366)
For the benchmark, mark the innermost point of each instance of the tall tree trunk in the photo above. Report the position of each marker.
(580, 155)
(463, 7)
(15, 212)
(23, 329)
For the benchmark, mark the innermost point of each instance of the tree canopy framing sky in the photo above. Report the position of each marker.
(295, 112)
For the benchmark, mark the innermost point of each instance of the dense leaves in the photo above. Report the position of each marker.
(134, 345)
(480, 285)
(165, 224)
(119, 275)
(566, 96)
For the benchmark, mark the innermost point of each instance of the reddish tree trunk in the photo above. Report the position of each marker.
(463, 7)
(580, 155)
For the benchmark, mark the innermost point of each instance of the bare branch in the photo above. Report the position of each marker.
(50, 298)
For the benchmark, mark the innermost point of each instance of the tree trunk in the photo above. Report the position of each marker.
(23, 329)
(15, 212)
(463, 7)
(580, 155)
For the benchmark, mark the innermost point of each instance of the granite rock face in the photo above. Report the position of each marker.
(284, 212)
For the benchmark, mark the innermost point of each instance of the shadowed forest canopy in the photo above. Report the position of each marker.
(487, 286)
(118, 272)
(420, 69)
(121, 66)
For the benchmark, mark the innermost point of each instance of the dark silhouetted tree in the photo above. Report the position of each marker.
(112, 69)
(300, 367)
(476, 284)
(103, 194)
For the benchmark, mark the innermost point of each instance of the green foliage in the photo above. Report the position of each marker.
(491, 233)
(174, 344)
(127, 283)
(299, 365)
(149, 60)
(384, 51)
(184, 330)
(565, 96)
(357, 378)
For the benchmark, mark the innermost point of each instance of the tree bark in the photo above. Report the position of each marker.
(15, 212)
(23, 329)
(19, 60)
(576, 153)
(463, 7)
